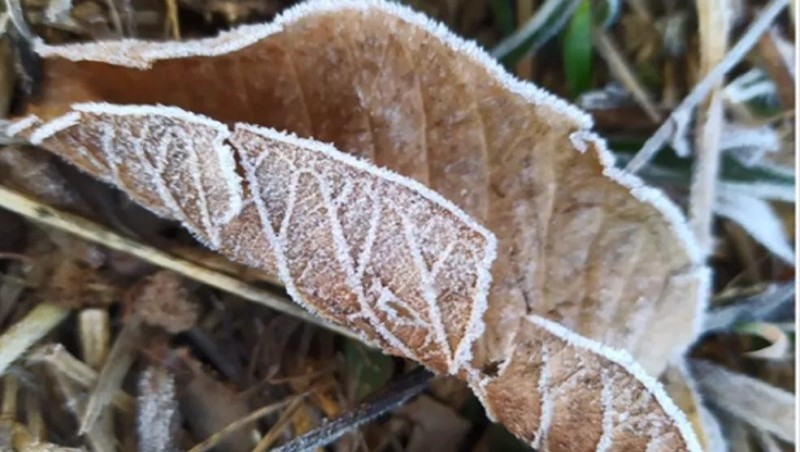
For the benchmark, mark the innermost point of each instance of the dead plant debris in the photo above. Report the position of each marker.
(166, 350)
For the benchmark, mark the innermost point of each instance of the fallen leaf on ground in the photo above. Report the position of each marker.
(507, 250)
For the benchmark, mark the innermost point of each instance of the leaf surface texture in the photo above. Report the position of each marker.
(460, 218)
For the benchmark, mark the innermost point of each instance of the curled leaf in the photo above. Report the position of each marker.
(507, 246)
(552, 371)
(318, 218)
(779, 346)
(759, 219)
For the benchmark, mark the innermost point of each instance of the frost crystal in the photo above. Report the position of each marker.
(588, 260)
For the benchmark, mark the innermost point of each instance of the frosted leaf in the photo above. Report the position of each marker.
(765, 407)
(168, 160)
(342, 258)
(579, 243)
(338, 259)
(562, 392)
(766, 190)
(158, 418)
(757, 217)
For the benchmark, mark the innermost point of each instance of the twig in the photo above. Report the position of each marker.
(673, 126)
(10, 396)
(623, 72)
(94, 338)
(101, 235)
(61, 362)
(173, 22)
(240, 423)
(4, 255)
(714, 27)
(113, 13)
(109, 380)
(26, 332)
(280, 425)
(97, 438)
(388, 399)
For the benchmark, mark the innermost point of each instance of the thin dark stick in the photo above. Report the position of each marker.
(381, 402)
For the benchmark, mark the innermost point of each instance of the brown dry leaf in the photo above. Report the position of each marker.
(588, 261)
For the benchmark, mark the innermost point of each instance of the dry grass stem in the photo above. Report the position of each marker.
(517, 214)
(680, 384)
(706, 173)
(27, 331)
(98, 437)
(17, 16)
(714, 23)
(679, 118)
(34, 417)
(623, 71)
(778, 67)
(10, 389)
(760, 307)
(95, 233)
(95, 336)
(243, 422)
(16, 256)
(63, 363)
(117, 365)
(113, 13)
(17, 437)
(279, 426)
(173, 22)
